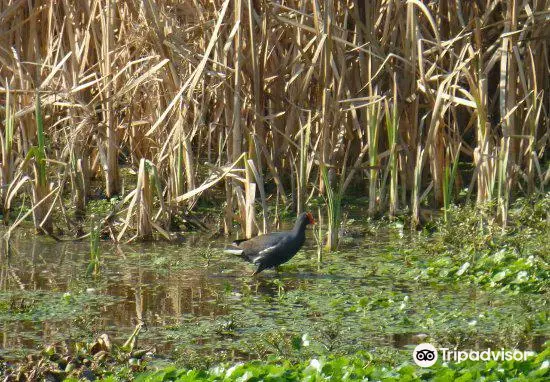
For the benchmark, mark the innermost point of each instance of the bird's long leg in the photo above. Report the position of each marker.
(258, 270)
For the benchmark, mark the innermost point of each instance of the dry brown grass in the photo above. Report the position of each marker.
(293, 85)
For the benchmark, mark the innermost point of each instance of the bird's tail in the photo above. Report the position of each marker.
(233, 250)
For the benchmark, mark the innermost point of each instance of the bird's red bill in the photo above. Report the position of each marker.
(310, 218)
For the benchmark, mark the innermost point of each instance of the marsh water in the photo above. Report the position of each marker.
(196, 301)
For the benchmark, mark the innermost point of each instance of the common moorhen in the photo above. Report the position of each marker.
(272, 249)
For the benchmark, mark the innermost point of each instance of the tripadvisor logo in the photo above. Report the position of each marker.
(425, 355)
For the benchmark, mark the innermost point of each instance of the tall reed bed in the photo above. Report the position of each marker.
(407, 102)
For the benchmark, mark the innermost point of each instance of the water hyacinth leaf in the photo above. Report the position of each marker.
(463, 269)
(522, 277)
(500, 276)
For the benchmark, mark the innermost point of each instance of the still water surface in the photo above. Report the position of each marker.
(193, 298)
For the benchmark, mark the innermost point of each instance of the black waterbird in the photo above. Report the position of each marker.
(272, 249)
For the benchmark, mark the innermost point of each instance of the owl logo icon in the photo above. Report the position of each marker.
(425, 355)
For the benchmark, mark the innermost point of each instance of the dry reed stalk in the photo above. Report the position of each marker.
(260, 185)
(142, 204)
(415, 202)
(145, 202)
(112, 177)
(41, 187)
(304, 167)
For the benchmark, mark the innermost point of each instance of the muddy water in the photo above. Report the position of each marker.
(194, 299)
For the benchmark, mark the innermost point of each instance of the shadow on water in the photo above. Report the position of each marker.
(193, 294)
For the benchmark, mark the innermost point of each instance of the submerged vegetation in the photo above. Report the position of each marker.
(516, 259)
(412, 104)
(383, 291)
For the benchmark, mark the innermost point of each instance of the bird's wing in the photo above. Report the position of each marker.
(267, 252)
(262, 254)
(267, 240)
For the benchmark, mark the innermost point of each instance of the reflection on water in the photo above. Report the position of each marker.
(142, 284)
(192, 293)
